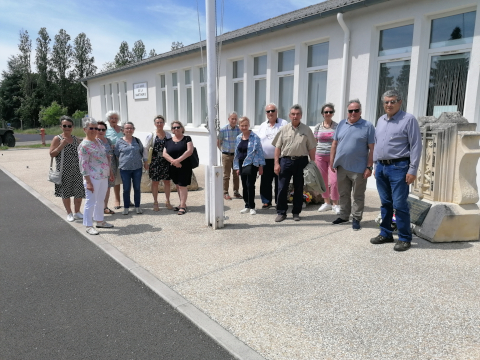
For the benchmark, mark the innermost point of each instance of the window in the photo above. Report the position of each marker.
(175, 96)
(451, 40)
(203, 95)
(394, 52)
(188, 86)
(125, 112)
(117, 99)
(260, 78)
(164, 95)
(317, 65)
(286, 64)
(238, 87)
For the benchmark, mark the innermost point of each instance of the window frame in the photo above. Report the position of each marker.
(313, 69)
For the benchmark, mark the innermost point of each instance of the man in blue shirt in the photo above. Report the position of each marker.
(352, 158)
(398, 147)
(226, 143)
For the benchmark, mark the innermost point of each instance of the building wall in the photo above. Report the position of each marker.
(363, 69)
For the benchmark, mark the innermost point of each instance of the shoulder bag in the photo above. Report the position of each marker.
(194, 160)
(55, 175)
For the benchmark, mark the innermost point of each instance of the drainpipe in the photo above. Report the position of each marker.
(346, 43)
(88, 97)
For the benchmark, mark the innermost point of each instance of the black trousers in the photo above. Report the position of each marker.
(266, 182)
(291, 168)
(248, 185)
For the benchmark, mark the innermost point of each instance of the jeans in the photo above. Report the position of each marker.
(266, 182)
(291, 168)
(248, 185)
(393, 191)
(94, 203)
(129, 177)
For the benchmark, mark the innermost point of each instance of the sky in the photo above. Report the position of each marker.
(107, 23)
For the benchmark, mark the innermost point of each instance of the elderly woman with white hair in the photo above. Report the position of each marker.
(114, 133)
(95, 169)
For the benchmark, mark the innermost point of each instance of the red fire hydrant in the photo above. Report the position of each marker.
(42, 134)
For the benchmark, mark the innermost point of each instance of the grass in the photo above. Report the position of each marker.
(36, 146)
(4, 147)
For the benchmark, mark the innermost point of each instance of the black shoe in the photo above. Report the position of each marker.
(402, 245)
(339, 221)
(356, 225)
(296, 217)
(380, 239)
(280, 218)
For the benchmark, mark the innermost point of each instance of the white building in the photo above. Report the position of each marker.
(428, 49)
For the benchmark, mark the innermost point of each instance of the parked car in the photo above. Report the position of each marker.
(7, 137)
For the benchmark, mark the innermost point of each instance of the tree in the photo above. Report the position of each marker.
(124, 56)
(152, 53)
(44, 69)
(138, 51)
(79, 114)
(83, 63)
(49, 116)
(61, 62)
(176, 45)
(11, 91)
(109, 65)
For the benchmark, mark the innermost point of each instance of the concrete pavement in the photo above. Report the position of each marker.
(307, 290)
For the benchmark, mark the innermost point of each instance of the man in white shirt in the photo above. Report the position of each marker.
(267, 133)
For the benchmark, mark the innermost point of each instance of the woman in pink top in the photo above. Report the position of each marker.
(323, 132)
(96, 170)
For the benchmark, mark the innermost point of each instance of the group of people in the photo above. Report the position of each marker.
(345, 154)
(111, 156)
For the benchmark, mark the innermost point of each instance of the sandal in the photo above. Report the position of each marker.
(182, 211)
(176, 208)
(117, 207)
(155, 206)
(168, 205)
(108, 211)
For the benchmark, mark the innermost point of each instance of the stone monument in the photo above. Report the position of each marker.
(443, 207)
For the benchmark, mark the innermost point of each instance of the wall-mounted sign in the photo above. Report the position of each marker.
(140, 91)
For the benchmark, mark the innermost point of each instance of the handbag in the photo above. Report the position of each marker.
(150, 148)
(194, 160)
(247, 170)
(55, 175)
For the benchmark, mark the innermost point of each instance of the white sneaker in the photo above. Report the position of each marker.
(325, 207)
(139, 210)
(336, 209)
(70, 217)
(244, 211)
(253, 212)
(104, 224)
(92, 231)
(78, 216)
(125, 211)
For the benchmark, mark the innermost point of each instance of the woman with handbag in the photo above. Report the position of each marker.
(248, 160)
(129, 151)
(158, 167)
(108, 144)
(177, 151)
(64, 149)
(96, 171)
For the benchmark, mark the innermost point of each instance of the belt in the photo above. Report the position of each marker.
(392, 161)
(227, 153)
(293, 157)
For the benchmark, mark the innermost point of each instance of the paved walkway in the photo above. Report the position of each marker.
(307, 290)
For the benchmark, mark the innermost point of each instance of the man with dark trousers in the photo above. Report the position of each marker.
(398, 147)
(294, 143)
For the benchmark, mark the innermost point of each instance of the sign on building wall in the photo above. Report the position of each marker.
(140, 91)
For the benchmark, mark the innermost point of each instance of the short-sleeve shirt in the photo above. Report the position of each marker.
(227, 136)
(93, 159)
(295, 141)
(129, 155)
(113, 135)
(177, 149)
(267, 133)
(324, 137)
(353, 140)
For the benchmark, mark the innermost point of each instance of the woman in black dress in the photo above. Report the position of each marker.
(159, 168)
(177, 151)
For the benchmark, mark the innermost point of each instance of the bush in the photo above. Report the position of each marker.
(50, 116)
(79, 115)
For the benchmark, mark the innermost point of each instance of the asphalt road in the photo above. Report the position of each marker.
(63, 298)
(31, 137)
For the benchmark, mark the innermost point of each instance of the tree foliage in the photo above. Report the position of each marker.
(138, 51)
(124, 56)
(177, 45)
(152, 53)
(83, 63)
(50, 115)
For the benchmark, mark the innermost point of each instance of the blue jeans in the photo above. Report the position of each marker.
(129, 177)
(393, 191)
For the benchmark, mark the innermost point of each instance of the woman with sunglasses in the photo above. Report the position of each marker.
(96, 171)
(159, 168)
(129, 151)
(324, 132)
(72, 182)
(177, 151)
(107, 143)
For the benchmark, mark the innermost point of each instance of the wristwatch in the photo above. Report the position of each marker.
(370, 168)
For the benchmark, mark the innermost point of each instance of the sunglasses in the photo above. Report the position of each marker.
(328, 112)
(92, 128)
(176, 127)
(270, 111)
(353, 111)
(101, 129)
(393, 102)
(67, 126)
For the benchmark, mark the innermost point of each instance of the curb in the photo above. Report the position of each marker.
(220, 335)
